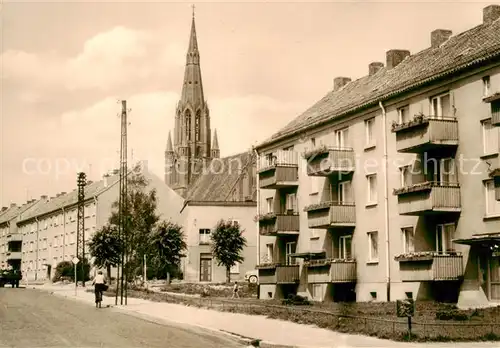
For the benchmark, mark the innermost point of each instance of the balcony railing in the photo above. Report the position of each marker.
(426, 133)
(430, 266)
(429, 198)
(331, 271)
(14, 255)
(327, 160)
(331, 214)
(278, 274)
(278, 224)
(279, 171)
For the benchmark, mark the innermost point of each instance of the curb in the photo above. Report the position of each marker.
(248, 341)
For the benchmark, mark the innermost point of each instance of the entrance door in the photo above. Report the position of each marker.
(495, 278)
(205, 268)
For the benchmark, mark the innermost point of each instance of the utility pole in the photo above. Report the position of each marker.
(80, 227)
(123, 217)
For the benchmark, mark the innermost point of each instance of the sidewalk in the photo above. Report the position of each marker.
(271, 332)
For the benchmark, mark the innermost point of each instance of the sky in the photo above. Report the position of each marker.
(65, 65)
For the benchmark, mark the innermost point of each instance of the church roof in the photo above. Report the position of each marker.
(466, 50)
(220, 179)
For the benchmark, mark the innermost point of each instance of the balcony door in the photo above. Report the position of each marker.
(342, 137)
(441, 106)
(344, 192)
(495, 278)
(445, 172)
(290, 203)
(444, 237)
(345, 247)
(290, 249)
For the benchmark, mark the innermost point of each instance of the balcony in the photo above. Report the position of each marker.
(331, 271)
(16, 237)
(14, 255)
(325, 161)
(426, 133)
(494, 101)
(331, 214)
(430, 266)
(279, 171)
(278, 224)
(429, 198)
(278, 274)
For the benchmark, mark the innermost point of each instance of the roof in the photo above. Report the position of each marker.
(68, 199)
(460, 52)
(219, 180)
(14, 212)
(481, 239)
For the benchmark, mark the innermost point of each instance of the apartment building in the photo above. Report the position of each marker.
(49, 228)
(375, 192)
(10, 236)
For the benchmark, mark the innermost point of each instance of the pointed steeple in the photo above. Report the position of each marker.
(215, 142)
(170, 148)
(215, 152)
(192, 89)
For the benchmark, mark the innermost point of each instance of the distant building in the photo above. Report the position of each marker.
(374, 193)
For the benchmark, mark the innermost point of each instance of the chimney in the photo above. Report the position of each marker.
(340, 82)
(439, 36)
(89, 182)
(374, 67)
(491, 13)
(394, 57)
(4, 209)
(12, 205)
(105, 179)
(43, 197)
(116, 171)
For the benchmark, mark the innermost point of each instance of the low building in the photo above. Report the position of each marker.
(369, 194)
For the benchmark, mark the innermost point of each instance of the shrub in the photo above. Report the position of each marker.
(452, 314)
(296, 300)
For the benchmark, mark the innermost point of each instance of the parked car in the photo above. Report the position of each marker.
(252, 276)
(10, 276)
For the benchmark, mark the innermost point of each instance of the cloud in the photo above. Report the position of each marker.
(107, 61)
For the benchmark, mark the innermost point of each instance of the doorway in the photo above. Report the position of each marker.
(205, 267)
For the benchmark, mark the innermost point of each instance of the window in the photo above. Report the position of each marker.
(342, 137)
(441, 106)
(269, 204)
(345, 243)
(406, 176)
(31, 246)
(313, 142)
(204, 236)
(404, 114)
(369, 129)
(45, 224)
(446, 171)
(344, 192)
(44, 244)
(269, 160)
(290, 249)
(372, 246)
(486, 86)
(408, 244)
(291, 202)
(492, 205)
(235, 269)
(490, 137)
(444, 236)
(372, 188)
(270, 252)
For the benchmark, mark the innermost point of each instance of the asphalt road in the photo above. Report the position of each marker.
(33, 318)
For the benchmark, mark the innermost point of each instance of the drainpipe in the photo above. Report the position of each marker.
(64, 234)
(257, 186)
(386, 203)
(37, 237)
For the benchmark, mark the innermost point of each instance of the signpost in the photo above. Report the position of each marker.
(406, 308)
(75, 262)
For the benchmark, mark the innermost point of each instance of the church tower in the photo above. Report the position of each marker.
(191, 149)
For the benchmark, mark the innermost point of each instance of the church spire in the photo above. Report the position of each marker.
(170, 148)
(192, 89)
(215, 146)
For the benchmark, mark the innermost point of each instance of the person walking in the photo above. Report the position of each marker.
(235, 290)
(99, 287)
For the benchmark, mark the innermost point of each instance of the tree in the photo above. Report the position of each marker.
(106, 247)
(227, 244)
(166, 247)
(142, 217)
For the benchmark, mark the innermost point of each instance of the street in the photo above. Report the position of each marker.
(33, 318)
